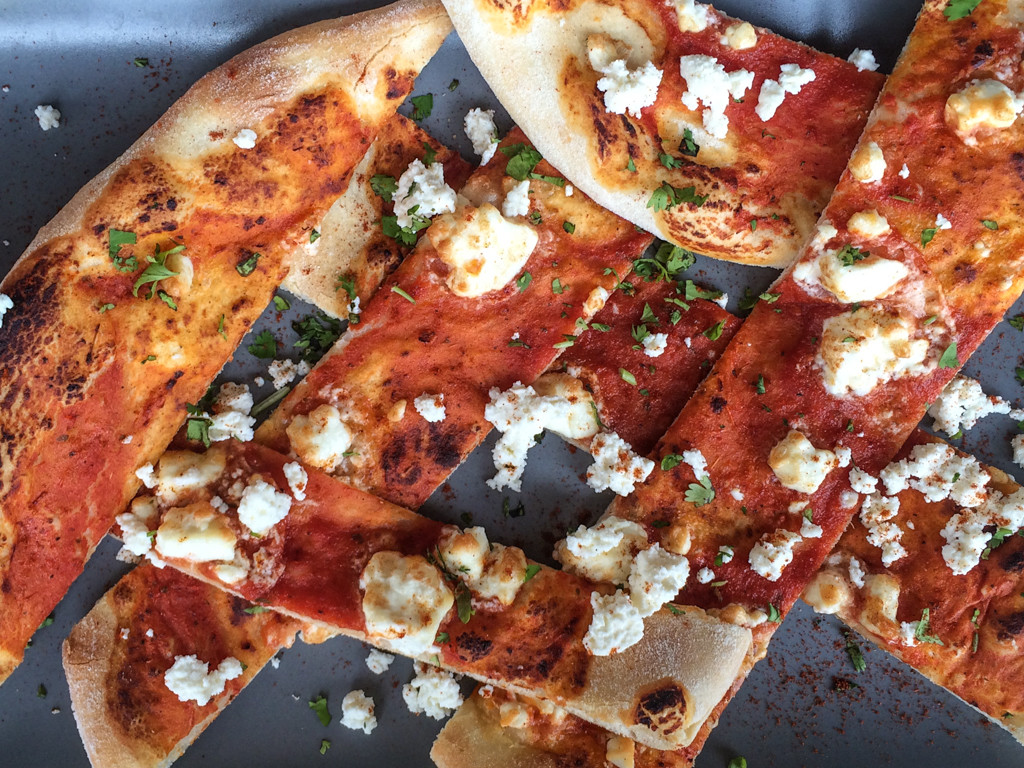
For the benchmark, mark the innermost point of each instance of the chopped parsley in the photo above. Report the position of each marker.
(118, 239)
(959, 9)
(627, 377)
(252, 610)
(723, 551)
(156, 271)
(41, 692)
(264, 346)
(949, 358)
(522, 159)
(998, 538)
(384, 186)
(738, 762)
(1017, 322)
(48, 621)
(749, 301)
(850, 255)
(314, 235)
(688, 146)
(317, 334)
(760, 384)
(773, 614)
(140, 62)
(631, 166)
(667, 263)
(602, 327)
(319, 706)
(700, 493)
(989, 224)
(670, 461)
(429, 154)
(569, 227)
(248, 265)
(531, 571)
(280, 304)
(974, 621)
(453, 85)
(666, 196)
(693, 291)
(422, 106)
(921, 629)
(535, 217)
(105, 308)
(854, 652)
(404, 235)
(715, 331)
(401, 292)
(668, 161)
(927, 235)
(523, 281)
(197, 427)
(557, 288)
(167, 299)
(325, 744)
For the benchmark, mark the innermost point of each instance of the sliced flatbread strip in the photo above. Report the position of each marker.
(765, 181)
(518, 628)
(127, 716)
(348, 255)
(94, 377)
(418, 337)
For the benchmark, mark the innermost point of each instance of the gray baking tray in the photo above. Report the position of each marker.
(79, 57)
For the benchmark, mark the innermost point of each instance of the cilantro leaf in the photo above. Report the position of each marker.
(921, 630)
(404, 235)
(384, 186)
(760, 384)
(429, 154)
(522, 159)
(668, 161)
(198, 428)
(281, 304)
(252, 610)
(556, 287)
(715, 331)
(523, 281)
(949, 358)
(773, 614)
(670, 461)
(264, 345)
(631, 166)
(959, 9)
(422, 106)
(317, 334)
(854, 652)
(140, 62)
(314, 235)
(927, 235)
(998, 538)
(989, 224)
(531, 571)
(325, 744)
(156, 271)
(700, 493)
(695, 292)
(248, 265)
(319, 706)
(688, 146)
(627, 377)
(850, 255)
(666, 196)
(569, 227)
(464, 602)
(1017, 322)
(118, 238)
(668, 262)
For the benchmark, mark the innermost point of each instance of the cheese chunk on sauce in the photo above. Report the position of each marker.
(864, 280)
(740, 36)
(983, 104)
(405, 600)
(868, 224)
(198, 533)
(576, 421)
(482, 248)
(868, 163)
(798, 465)
(320, 438)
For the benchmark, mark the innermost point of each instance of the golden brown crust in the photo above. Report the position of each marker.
(93, 377)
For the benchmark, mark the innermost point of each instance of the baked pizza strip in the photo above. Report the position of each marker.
(127, 304)
(869, 325)
(347, 255)
(157, 619)
(485, 300)
(251, 521)
(699, 128)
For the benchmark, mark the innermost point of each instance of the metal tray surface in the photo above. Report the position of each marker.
(79, 57)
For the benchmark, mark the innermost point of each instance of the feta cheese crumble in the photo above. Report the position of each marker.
(982, 105)
(604, 552)
(48, 116)
(378, 661)
(423, 188)
(6, 303)
(482, 132)
(769, 557)
(709, 84)
(517, 200)
(863, 60)
(430, 407)
(692, 16)
(1017, 443)
(625, 90)
(867, 165)
(616, 466)
(792, 79)
(433, 691)
(405, 600)
(320, 438)
(740, 36)
(654, 344)
(705, 576)
(904, 172)
(963, 403)
(656, 577)
(941, 222)
(245, 138)
(262, 506)
(297, 479)
(798, 465)
(191, 679)
(616, 624)
(357, 712)
(876, 513)
(282, 373)
(230, 418)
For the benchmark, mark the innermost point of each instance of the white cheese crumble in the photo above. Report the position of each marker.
(843, 455)
(692, 16)
(405, 600)
(867, 165)
(483, 249)
(963, 403)
(197, 533)
(569, 190)
(625, 90)
(134, 533)
(739, 36)
(616, 624)
(616, 466)
(938, 472)
(696, 461)
(48, 116)
(191, 679)
(620, 752)
(430, 407)
(433, 691)
(868, 224)
(876, 513)
(726, 554)
(245, 138)
(604, 552)
(864, 280)
(146, 474)
(1017, 443)
(297, 479)
(904, 172)
(320, 438)
(856, 573)
(863, 60)
(655, 344)
(773, 553)
(862, 482)
(424, 189)
(810, 529)
(517, 200)
(262, 506)
(655, 578)
(737, 494)
(6, 303)
(231, 418)
(482, 132)
(941, 222)
(860, 350)
(709, 84)
(705, 576)
(792, 79)
(357, 712)
(577, 419)
(798, 465)
(181, 473)
(378, 661)
(982, 105)
(282, 373)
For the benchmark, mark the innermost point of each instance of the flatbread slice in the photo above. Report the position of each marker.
(93, 376)
(654, 160)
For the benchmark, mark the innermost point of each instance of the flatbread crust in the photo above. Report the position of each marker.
(126, 715)
(91, 391)
(766, 181)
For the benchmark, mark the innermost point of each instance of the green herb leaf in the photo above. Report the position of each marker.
(118, 238)
(319, 706)
(556, 287)
(668, 161)
(998, 538)
(264, 346)
(534, 217)
(248, 265)
(901, 198)
(198, 428)
(668, 262)
(850, 255)
(384, 186)
(429, 154)
(325, 744)
(167, 299)
(989, 224)
(41, 692)
(105, 308)
(569, 227)
(314, 235)
(270, 401)
(156, 271)
(715, 331)
(700, 493)
(1017, 322)
(404, 235)
(148, 359)
(921, 629)
(760, 384)
(627, 377)
(523, 281)
(317, 334)
(670, 461)
(531, 571)
(959, 9)
(631, 166)
(693, 291)
(773, 614)
(688, 146)
(927, 235)
(422, 106)
(666, 196)
(252, 610)
(403, 294)
(738, 762)
(442, 637)
(522, 159)
(854, 652)
(453, 85)
(464, 603)
(140, 62)
(949, 358)
(48, 621)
